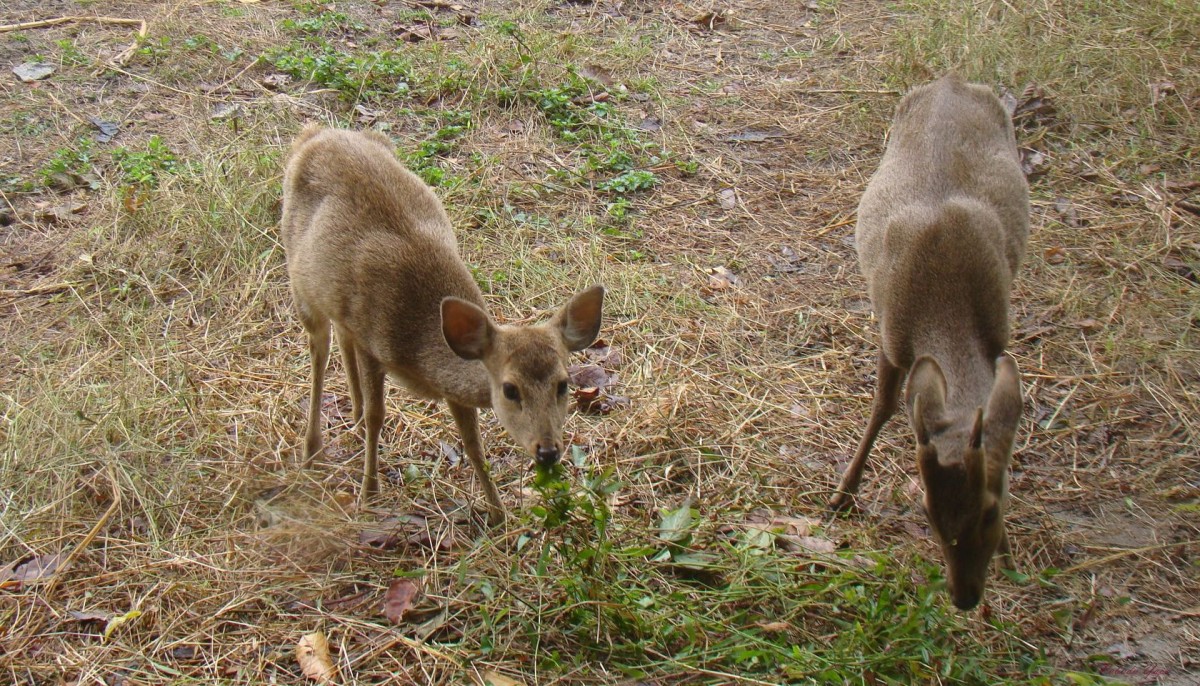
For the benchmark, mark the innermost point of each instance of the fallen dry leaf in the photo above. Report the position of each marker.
(774, 627)
(794, 526)
(31, 569)
(727, 198)
(597, 400)
(1066, 211)
(448, 451)
(1033, 107)
(757, 135)
(312, 652)
(601, 352)
(491, 678)
(813, 544)
(1033, 163)
(720, 278)
(1125, 198)
(1181, 186)
(1180, 267)
(89, 616)
(1054, 255)
(1159, 91)
(710, 19)
(590, 376)
(398, 599)
(58, 213)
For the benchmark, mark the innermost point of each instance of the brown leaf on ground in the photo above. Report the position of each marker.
(1159, 91)
(727, 198)
(709, 19)
(597, 401)
(491, 678)
(794, 526)
(1181, 186)
(1033, 163)
(276, 81)
(590, 376)
(1054, 255)
(1033, 108)
(1066, 211)
(450, 453)
(774, 627)
(601, 352)
(399, 598)
(60, 213)
(1188, 206)
(1125, 199)
(312, 652)
(91, 616)
(28, 570)
(757, 135)
(720, 278)
(597, 73)
(1178, 266)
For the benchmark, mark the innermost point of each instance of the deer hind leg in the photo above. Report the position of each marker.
(887, 397)
(318, 348)
(353, 375)
(371, 377)
(467, 419)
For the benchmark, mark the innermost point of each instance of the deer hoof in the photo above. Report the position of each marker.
(842, 502)
(495, 517)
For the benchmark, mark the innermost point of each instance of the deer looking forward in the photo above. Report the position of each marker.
(941, 233)
(370, 249)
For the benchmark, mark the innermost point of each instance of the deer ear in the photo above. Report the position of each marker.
(1004, 403)
(976, 440)
(926, 397)
(973, 458)
(467, 329)
(579, 320)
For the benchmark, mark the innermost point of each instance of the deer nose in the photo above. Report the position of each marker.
(547, 456)
(968, 600)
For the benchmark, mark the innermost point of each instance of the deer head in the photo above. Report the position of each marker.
(963, 461)
(527, 365)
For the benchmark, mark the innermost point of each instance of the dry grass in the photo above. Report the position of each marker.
(152, 376)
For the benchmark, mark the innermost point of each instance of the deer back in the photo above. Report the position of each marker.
(369, 246)
(941, 233)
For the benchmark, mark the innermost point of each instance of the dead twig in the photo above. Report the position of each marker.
(36, 290)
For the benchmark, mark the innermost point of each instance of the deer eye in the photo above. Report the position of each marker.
(511, 392)
(562, 388)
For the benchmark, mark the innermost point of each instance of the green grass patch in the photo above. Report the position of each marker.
(355, 76)
(650, 602)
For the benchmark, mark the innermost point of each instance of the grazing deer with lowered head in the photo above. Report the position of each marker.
(370, 249)
(941, 232)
